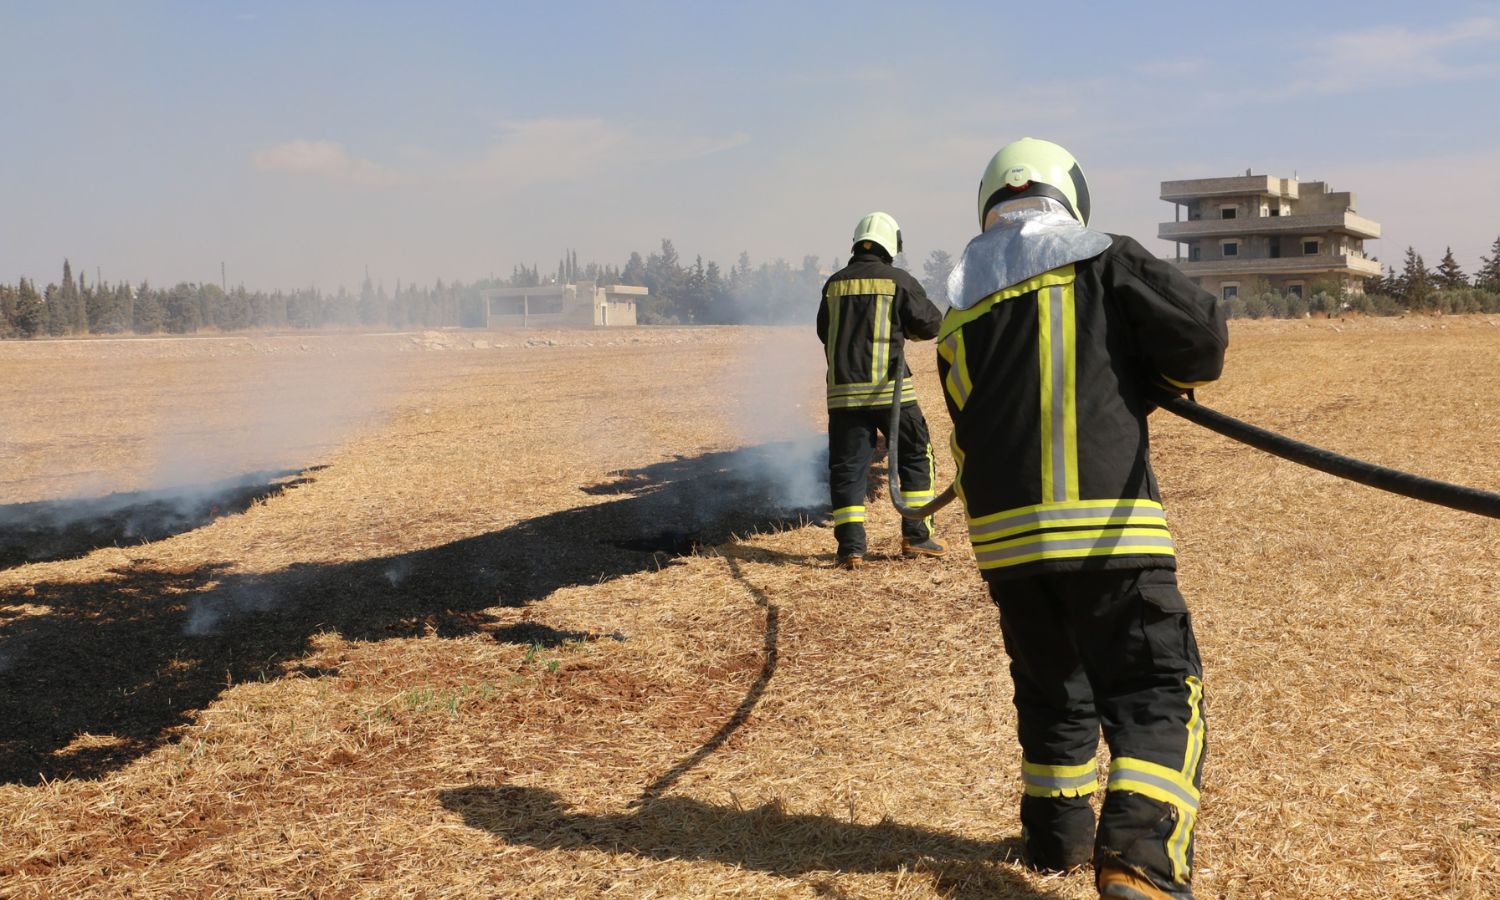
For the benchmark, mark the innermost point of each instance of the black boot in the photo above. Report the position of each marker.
(1057, 832)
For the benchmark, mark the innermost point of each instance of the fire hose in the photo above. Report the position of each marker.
(1428, 490)
(893, 443)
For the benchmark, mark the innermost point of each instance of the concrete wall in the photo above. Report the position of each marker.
(613, 308)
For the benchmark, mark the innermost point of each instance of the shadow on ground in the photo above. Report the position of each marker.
(765, 839)
(130, 657)
(48, 530)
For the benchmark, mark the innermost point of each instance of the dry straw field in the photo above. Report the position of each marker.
(526, 616)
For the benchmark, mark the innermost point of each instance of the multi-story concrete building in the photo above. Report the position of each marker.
(561, 305)
(1295, 236)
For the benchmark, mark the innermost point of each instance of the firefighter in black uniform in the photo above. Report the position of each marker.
(1058, 338)
(869, 308)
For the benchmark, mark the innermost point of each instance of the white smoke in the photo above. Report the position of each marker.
(776, 390)
(231, 421)
(288, 409)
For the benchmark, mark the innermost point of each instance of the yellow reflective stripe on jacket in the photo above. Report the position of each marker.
(958, 384)
(880, 346)
(1068, 514)
(1040, 780)
(958, 318)
(1075, 545)
(1185, 385)
(845, 515)
(868, 397)
(1057, 344)
(830, 347)
(907, 387)
(862, 287)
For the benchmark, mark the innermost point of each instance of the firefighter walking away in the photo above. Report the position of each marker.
(1058, 338)
(869, 308)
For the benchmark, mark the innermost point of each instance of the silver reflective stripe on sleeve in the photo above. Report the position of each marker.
(1059, 363)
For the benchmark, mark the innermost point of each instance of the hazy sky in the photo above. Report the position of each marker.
(301, 142)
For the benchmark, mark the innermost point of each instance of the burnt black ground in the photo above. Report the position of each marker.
(138, 653)
(48, 530)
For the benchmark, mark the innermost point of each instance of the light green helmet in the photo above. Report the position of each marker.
(1034, 168)
(879, 228)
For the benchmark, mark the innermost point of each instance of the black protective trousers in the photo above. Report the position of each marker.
(1110, 650)
(851, 449)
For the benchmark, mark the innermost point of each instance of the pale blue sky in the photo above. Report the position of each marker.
(301, 142)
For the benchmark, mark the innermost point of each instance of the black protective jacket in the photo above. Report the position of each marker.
(1048, 384)
(869, 308)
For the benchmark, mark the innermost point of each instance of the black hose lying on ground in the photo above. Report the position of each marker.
(1428, 490)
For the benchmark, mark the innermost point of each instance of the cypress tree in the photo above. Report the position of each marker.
(1488, 276)
(1415, 280)
(80, 307)
(31, 312)
(7, 311)
(148, 316)
(59, 317)
(1449, 276)
(121, 311)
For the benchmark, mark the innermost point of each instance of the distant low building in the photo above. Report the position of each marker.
(1231, 232)
(561, 305)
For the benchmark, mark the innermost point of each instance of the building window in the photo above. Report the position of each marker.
(1295, 289)
(1195, 252)
(1310, 248)
(1231, 248)
(1230, 291)
(1227, 212)
(1275, 210)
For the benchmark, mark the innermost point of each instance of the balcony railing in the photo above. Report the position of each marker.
(1340, 222)
(1286, 265)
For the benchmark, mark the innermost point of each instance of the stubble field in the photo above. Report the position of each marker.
(553, 615)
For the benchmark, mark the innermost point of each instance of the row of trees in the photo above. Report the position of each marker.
(1418, 287)
(697, 293)
(75, 307)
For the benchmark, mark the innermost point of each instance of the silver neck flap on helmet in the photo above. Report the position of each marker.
(1022, 239)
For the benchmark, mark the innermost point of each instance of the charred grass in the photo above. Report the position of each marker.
(491, 650)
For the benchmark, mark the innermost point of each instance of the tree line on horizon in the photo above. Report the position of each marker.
(697, 293)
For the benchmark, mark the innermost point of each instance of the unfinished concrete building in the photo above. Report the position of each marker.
(561, 305)
(1295, 236)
